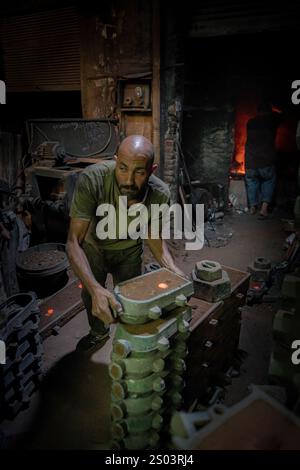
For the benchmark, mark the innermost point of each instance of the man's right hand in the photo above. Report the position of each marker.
(103, 302)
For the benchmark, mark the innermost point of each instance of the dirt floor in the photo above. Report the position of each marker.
(71, 410)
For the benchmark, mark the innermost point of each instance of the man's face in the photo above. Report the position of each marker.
(132, 174)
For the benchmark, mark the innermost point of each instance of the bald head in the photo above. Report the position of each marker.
(135, 145)
(134, 166)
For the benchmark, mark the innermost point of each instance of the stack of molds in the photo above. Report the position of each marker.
(211, 282)
(21, 368)
(148, 358)
(286, 328)
(260, 269)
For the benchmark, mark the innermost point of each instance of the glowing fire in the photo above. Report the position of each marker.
(50, 312)
(246, 108)
(163, 285)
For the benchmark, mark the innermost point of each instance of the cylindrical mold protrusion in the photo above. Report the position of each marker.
(118, 411)
(179, 365)
(177, 380)
(157, 422)
(183, 326)
(163, 344)
(181, 300)
(116, 445)
(180, 349)
(158, 365)
(118, 430)
(157, 403)
(116, 370)
(154, 313)
(153, 439)
(122, 348)
(158, 385)
(118, 391)
(176, 398)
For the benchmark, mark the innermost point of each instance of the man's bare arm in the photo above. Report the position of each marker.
(102, 299)
(162, 255)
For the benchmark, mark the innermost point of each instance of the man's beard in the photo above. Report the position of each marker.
(132, 192)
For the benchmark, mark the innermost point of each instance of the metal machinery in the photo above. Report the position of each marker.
(21, 371)
(59, 149)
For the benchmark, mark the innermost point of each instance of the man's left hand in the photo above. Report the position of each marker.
(177, 270)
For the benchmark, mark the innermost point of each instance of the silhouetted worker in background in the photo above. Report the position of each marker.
(260, 156)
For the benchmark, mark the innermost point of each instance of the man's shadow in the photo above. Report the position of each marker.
(74, 408)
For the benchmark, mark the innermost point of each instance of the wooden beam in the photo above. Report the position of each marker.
(156, 78)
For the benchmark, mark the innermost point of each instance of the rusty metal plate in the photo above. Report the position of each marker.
(60, 308)
(145, 297)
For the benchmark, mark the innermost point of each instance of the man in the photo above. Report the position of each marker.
(91, 258)
(260, 159)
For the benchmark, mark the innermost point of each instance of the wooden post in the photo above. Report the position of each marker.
(156, 78)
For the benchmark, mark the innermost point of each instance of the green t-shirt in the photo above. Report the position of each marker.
(97, 185)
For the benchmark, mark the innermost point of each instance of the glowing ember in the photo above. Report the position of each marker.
(256, 286)
(50, 312)
(80, 286)
(163, 285)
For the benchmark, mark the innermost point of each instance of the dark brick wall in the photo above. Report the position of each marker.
(172, 88)
(209, 144)
(208, 111)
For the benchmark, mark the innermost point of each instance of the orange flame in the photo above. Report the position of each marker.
(246, 108)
